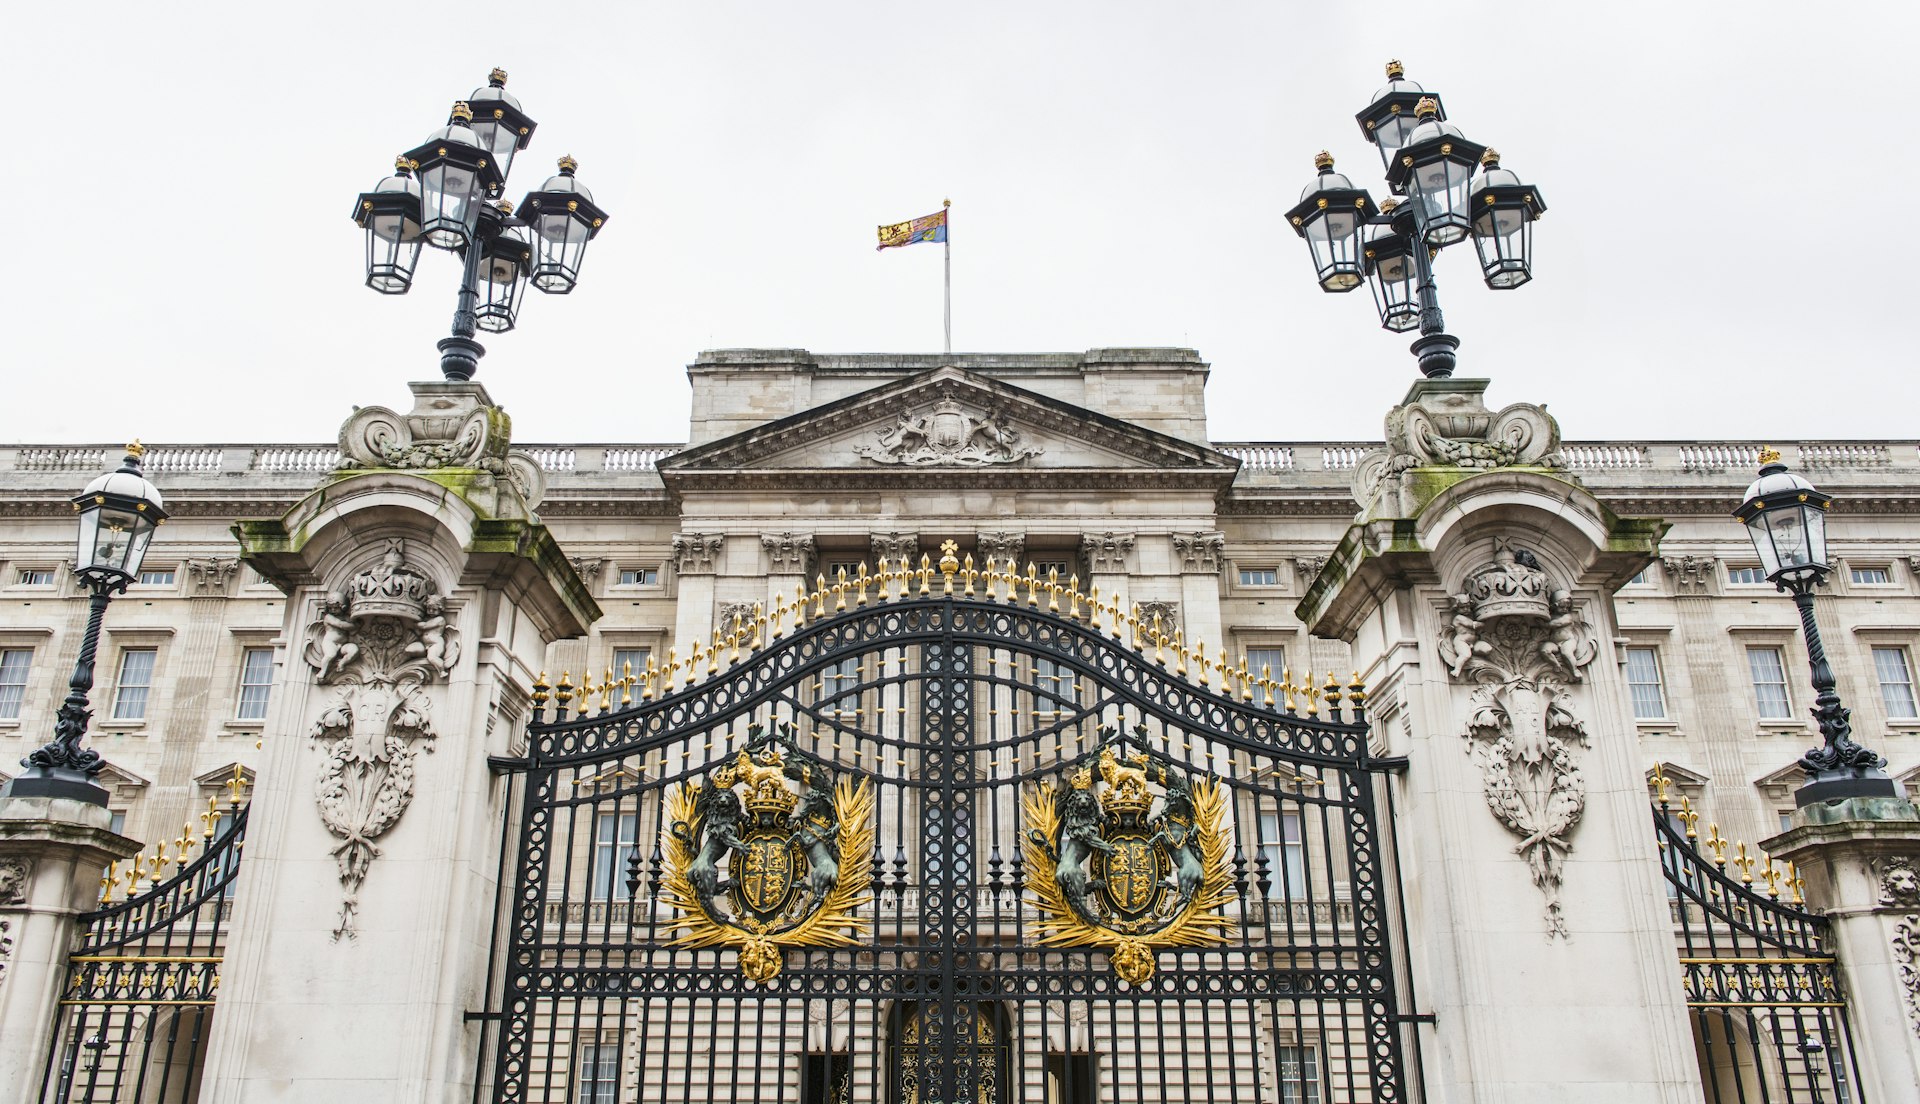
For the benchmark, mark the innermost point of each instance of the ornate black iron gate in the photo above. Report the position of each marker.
(138, 1003)
(946, 835)
(1763, 985)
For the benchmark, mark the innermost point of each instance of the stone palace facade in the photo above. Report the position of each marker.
(788, 850)
(1097, 464)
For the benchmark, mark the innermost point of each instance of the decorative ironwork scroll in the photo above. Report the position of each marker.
(754, 855)
(1129, 856)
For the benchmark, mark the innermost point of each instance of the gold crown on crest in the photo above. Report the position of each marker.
(766, 784)
(1128, 796)
(1082, 779)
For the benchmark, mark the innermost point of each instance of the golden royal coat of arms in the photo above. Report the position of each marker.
(1130, 856)
(754, 854)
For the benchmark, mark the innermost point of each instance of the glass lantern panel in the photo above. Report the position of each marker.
(1816, 524)
(1392, 135)
(500, 141)
(112, 536)
(1787, 530)
(391, 259)
(1503, 236)
(449, 191)
(1763, 545)
(1441, 186)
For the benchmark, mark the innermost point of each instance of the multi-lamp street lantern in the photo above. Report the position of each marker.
(444, 193)
(118, 514)
(1787, 518)
(1438, 200)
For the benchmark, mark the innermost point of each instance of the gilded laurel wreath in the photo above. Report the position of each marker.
(760, 874)
(1106, 874)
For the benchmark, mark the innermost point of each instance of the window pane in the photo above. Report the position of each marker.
(1285, 852)
(1267, 662)
(1769, 683)
(1259, 576)
(614, 836)
(1872, 576)
(1299, 1075)
(637, 657)
(157, 577)
(640, 576)
(14, 663)
(1643, 680)
(842, 676)
(136, 678)
(36, 577)
(1053, 689)
(1896, 681)
(599, 1074)
(1745, 575)
(256, 683)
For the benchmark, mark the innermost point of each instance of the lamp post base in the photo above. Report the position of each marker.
(1435, 352)
(1838, 785)
(57, 782)
(460, 357)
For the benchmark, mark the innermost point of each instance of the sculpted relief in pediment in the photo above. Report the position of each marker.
(948, 433)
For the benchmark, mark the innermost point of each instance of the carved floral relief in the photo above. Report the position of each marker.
(381, 641)
(1900, 889)
(1520, 642)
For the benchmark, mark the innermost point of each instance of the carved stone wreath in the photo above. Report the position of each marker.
(382, 639)
(1520, 642)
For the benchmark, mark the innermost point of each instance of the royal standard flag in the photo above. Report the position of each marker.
(928, 228)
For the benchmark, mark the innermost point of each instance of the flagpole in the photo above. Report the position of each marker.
(945, 204)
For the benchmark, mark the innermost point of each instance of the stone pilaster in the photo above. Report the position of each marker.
(1476, 590)
(790, 560)
(52, 854)
(1106, 555)
(1199, 556)
(1861, 862)
(696, 562)
(420, 605)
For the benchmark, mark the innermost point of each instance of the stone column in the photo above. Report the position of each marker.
(1861, 862)
(1199, 556)
(1106, 556)
(696, 560)
(422, 595)
(53, 851)
(1476, 591)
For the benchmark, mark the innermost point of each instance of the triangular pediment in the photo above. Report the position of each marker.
(949, 425)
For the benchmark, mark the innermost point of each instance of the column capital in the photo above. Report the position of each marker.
(788, 553)
(697, 553)
(1107, 552)
(1200, 553)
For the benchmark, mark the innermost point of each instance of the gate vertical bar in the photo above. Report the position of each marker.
(947, 902)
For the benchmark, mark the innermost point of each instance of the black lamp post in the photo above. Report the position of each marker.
(1787, 518)
(443, 194)
(118, 514)
(1430, 166)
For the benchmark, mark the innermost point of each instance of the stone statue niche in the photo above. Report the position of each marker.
(381, 640)
(1520, 643)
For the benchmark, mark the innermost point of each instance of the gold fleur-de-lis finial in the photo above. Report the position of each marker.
(1660, 783)
(1718, 843)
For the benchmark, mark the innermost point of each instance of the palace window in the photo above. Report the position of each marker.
(614, 837)
(597, 1073)
(1299, 1075)
(639, 576)
(826, 1079)
(134, 684)
(256, 683)
(14, 664)
(1643, 683)
(838, 695)
(1286, 854)
(1643, 577)
(1070, 1079)
(632, 660)
(1896, 682)
(1746, 576)
(1267, 662)
(1053, 689)
(158, 576)
(1871, 576)
(1259, 576)
(36, 576)
(1769, 683)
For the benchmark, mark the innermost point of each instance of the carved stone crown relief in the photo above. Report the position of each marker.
(1521, 643)
(949, 435)
(1168, 612)
(382, 639)
(1108, 551)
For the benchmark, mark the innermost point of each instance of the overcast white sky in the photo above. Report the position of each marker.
(181, 264)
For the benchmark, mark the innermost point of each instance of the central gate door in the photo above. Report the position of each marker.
(932, 837)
